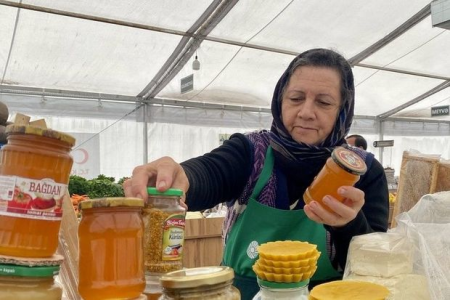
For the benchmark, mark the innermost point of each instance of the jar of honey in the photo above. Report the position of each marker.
(164, 221)
(24, 283)
(212, 283)
(343, 168)
(35, 166)
(110, 238)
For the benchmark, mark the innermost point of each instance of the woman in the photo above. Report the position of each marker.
(262, 175)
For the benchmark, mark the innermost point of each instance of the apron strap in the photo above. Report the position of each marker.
(264, 176)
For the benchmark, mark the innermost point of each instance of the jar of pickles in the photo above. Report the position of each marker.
(35, 166)
(110, 234)
(24, 283)
(212, 283)
(164, 221)
(344, 167)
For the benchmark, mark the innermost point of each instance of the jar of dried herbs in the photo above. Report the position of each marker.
(164, 220)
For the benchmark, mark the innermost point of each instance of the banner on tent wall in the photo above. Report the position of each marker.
(86, 155)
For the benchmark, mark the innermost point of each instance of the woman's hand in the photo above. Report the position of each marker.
(163, 174)
(343, 212)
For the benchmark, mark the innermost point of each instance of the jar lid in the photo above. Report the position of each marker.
(53, 134)
(169, 192)
(282, 285)
(112, 202)
(24, 271)
(195, 277)
(349, 161)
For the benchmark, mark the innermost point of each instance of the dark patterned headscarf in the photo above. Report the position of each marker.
(281, 140)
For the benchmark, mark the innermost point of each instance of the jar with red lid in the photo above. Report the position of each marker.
(343, 168)
(35, 167)
(111, 259)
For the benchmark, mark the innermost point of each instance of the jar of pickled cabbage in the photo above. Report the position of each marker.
(164, 221)
(343, 168)
(25, 283)
(35, 166)
(110, 238)
(212, 283)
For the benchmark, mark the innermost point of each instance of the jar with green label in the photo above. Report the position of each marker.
(164, 221)
(24, 283)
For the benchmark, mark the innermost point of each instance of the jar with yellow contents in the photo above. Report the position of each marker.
(164, 222)
(110, 236)
(212, 283)
(24, 283)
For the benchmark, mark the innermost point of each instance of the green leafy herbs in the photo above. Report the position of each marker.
(99, 187)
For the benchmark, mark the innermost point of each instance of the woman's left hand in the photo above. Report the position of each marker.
(343, 212)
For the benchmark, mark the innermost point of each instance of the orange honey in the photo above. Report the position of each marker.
(111, 259)
(343, 168)
(34, 170)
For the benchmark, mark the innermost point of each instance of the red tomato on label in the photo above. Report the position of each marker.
(20, 200)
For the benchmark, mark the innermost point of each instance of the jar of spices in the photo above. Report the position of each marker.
(164, 221)
(343, 168)
(110, 234)
(24, 283)
(35, 166)
(283, 291)
(212, 283)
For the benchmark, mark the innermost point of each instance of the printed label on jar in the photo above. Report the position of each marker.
(173, 237)
(30, 198)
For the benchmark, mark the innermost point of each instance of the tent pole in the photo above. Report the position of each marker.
(145, 136)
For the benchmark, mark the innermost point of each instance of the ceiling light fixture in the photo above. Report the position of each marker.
(196, 63)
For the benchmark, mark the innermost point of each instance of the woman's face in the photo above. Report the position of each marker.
(311, 103)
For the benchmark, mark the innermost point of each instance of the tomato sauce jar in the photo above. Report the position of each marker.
(344, 167)
(111, 259)
(35, 167)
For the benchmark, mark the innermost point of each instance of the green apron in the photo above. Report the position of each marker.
(259, 224)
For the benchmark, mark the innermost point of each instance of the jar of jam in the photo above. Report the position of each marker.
(344, 167)
(164, 221)
(110, 237)
(24, 283)
(35, 166)
(212, 283)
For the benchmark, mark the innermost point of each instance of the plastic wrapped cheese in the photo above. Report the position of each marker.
(401, 287)
(384, 255)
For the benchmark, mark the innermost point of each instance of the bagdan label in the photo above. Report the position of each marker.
(30, 198)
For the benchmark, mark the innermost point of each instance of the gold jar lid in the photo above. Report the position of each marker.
(112, 202)
(349, 161)
(53, 134)
(194, 277)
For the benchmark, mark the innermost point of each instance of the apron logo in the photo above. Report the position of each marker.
(252, 250)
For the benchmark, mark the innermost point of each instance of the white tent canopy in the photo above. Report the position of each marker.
(116, 60)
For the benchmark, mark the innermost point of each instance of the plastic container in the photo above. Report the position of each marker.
(34, 172)
(212, 283)
(25, 283)
(164, 221)
(344, 167)
(110, 235)
(283, 291)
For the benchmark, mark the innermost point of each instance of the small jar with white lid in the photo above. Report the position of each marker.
(25, 283)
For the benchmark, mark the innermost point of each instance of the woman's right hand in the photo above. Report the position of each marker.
(163, 173)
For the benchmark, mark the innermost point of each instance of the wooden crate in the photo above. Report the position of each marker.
(203, 242)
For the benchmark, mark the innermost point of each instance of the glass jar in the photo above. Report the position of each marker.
(164, 221)
(344, 167)
(34, 172)
(212, 283)
(24, 283)
(110, 237)
(153, 288)
(287, 291)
